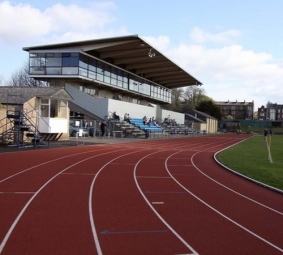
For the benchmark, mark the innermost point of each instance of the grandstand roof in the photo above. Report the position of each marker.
(133, 54)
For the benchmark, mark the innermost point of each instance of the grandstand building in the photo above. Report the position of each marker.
(97, 77)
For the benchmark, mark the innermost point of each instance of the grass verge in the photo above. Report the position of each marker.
(251, 159)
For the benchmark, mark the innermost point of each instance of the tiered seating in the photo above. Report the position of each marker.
(138, 122)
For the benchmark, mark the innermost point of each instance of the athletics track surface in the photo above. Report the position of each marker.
(165, 196)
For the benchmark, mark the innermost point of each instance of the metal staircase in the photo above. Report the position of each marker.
(20, 128)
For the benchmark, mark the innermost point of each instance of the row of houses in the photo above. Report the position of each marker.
(245, 111)
(237, 110)
(271, 112)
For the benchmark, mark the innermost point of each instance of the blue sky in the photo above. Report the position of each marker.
(233, 47)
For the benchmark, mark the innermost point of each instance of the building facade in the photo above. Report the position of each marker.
(238, 110)
(271, 112)
(122, 74)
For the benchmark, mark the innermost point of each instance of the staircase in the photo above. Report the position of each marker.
(20, 126)
(21, 131)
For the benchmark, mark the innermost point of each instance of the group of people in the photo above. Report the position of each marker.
(117, 117)
(127, 117)
(170, 121)
(149, 121)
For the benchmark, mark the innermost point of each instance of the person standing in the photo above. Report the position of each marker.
(103, 129)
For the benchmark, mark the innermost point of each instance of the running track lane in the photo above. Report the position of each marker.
(154, 200)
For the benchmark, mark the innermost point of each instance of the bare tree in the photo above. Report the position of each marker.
(21, 78)
(193, 96)
(177, 98)
(1, 80)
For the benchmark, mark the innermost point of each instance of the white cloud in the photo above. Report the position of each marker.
(199, 36)
(228, 73)
(23, 23)
(161, 42)
(232, 73)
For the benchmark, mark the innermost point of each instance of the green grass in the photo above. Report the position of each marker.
(250, 158)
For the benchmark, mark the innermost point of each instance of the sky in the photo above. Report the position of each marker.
(234, 48)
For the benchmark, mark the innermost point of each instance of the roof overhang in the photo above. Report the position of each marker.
(133, 54)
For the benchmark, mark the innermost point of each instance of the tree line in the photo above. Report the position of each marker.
(195, 98)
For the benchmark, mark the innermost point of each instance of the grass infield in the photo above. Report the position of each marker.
(251, 158)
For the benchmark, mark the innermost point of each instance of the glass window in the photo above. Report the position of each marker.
(100, 67)
(53, 70)
(83, 61)
(114, 72)
(70, 59)
(83, 72)
(99, 77)
(92, 64)
(125, 85)
(119, 83)
(54, 108)
(120, 75)
(107, 70)
(107, 79)
(133, 84)
(113, 82)
(51, 61)
(70, 70)
(37, 59)
(92, 75)
(44, 108)
(37, 70)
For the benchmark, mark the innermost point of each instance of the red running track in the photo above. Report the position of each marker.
(151, 197)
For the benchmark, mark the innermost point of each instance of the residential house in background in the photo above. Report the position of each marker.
(238, 110)
(271, 112)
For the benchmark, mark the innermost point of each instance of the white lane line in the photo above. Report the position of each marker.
(16, 192)
(8, 234)
(215, 210)
(181, 165)
(252, 200)
(93, 228)
(123, 164)
(156, 213)
(94, 232)
(78, 174)
(157, 203)
(154, 177)
(47, 162)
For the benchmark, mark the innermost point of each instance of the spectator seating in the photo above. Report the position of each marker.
(138, 122)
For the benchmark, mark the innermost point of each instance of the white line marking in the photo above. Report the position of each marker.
(157, 177)
(8, 234)
(16, 192)
(157, 203)
(157, 214)
(94, 232)
(47, 162)
(215, 210)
